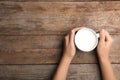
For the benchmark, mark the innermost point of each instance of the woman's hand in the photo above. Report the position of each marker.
(104, 45)
(69, 46)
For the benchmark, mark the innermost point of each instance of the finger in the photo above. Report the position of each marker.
(102, 35)
(72, 33)
(108, 37)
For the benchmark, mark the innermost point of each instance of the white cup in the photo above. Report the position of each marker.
(86, 39)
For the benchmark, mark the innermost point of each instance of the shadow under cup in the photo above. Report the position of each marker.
(86, 39)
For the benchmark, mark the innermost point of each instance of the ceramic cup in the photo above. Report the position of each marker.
(86, 39)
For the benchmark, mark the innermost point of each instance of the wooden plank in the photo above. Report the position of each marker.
(42, 56)
(56, 0)
(30, 42)
(38, 18)
(45, 50)
(49, 56)
(45, 72)
(40, 42)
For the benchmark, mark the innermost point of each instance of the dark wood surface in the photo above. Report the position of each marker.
(32, 34)
(40, 72)
(56, 0)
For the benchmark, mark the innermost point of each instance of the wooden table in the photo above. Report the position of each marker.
(32, 34)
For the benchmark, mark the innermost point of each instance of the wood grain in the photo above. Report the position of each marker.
(45, 72)
(45, 50)
(56, 0)
(49, 56)
(34, 28)
(39, 18)
(32, 32)
(41, 42)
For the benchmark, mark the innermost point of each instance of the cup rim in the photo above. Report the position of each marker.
(95, 42)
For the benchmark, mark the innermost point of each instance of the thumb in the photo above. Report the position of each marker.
(102, 35)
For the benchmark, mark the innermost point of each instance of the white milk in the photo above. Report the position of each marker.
(86, 39)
